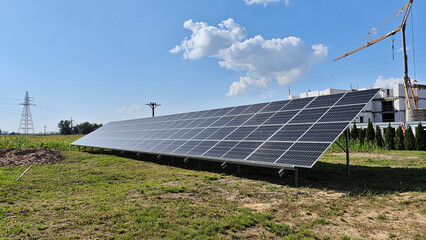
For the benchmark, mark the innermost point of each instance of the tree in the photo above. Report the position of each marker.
(64, 127)
(370, 131)
(420, 138)
(86, 127)
(354, 132)
(361, 136)
(409, 143)
(390, 137)
(378, 137)
(399, 139)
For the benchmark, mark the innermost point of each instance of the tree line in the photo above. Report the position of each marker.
(82, 128)
(391, 139)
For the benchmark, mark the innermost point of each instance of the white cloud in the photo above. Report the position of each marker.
(386, 83)
(265, 2)
(240, 87)
(134, 109)
(281, 59)
(209, 40)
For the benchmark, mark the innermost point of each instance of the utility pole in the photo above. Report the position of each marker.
(26, 125)
(45, 130)
(71, 125)
(153, 105)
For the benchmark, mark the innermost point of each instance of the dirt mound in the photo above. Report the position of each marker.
(24, 157)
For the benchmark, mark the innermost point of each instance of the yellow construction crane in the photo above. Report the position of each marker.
(407, 82)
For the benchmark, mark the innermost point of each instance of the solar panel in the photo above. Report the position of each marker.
(289, 133)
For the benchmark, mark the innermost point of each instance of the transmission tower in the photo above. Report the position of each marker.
(153, 105)
(26, 125)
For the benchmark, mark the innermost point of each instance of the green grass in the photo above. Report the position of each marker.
(108, 196)
(56, 142)
(105, 195)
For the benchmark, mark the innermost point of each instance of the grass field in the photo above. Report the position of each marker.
(107, 196)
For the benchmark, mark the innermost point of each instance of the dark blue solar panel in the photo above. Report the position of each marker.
(281, 117)
(201, 148)
(262, 133)
(242, 150)
(240, 133)
(258, 119)
(254, 108)
(325, 101)
(276, 134)
(220, 149)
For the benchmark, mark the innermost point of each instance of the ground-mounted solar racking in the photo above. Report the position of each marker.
(284, 134)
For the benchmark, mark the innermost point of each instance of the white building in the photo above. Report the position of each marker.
(388, 106)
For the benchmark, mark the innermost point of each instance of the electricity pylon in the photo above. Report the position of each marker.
(26, 125)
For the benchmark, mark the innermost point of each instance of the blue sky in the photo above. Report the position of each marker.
(101, 61)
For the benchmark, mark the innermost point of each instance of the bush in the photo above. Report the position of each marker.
(420, 138)
(399, 139)
(370, 131)
(390, 137)
(409, 143)
(379, 137)
(361, 136)
(354, 132)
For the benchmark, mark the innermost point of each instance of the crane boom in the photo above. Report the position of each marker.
(407, 8)
(370, 43)
(407, 82)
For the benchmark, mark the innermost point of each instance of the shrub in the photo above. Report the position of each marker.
(399, 139)
(420, 138)
(378, 136)
(370, 131)
(409, 139)
(354, 132)
(361, 136)
(390, 137)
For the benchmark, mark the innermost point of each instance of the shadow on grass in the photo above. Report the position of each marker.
(364, 180)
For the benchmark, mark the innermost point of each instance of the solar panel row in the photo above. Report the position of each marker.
(275, 134)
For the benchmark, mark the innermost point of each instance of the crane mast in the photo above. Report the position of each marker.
(407, 82)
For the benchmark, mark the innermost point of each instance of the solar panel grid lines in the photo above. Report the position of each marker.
(348, 124)
(247, 135)
(258, 107)
(300, 129)
(280, 128)
(308, 128)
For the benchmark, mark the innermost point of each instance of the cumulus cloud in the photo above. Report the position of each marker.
(280, 59)
(209, 40)
(283, 59)
(265, 2)
(134, 109)
(387, 82)
(240, 87)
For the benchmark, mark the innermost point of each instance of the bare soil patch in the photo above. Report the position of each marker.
(10, 157)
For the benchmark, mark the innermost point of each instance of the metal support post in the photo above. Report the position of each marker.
(186, 160)
(223, 165)
(281, 172)
(348, 162)
(296, 176)
(239, 169)
(200, 164)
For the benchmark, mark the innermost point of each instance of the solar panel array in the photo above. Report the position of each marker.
(289, 133)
